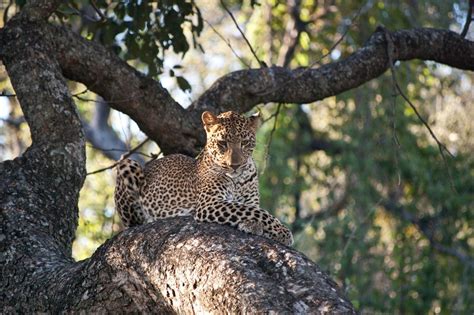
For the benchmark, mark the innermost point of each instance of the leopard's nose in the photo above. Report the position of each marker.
(235, 166)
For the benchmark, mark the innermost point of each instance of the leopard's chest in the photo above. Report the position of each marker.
(243, 188)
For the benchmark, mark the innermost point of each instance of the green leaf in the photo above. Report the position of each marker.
(183, 84)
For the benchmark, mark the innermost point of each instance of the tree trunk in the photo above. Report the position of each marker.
(171, 266)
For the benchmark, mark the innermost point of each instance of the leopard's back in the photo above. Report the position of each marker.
(169, 188)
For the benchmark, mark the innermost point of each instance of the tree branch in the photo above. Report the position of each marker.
(178, 130)
(241, 90)
(127, 90)
(179, 266)
(124, 156)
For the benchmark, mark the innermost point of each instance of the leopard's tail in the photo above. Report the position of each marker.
(130, 178)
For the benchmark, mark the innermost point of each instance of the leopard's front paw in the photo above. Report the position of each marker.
(251, 227)
(282, 235)
(286, 238)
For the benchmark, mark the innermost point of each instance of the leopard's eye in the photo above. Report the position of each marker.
(245, 143)
(222, 144)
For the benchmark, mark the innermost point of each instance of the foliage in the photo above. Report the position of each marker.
(143, 30)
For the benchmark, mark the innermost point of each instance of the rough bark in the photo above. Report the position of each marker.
(171, 266)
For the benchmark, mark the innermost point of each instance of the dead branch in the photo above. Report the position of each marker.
(124, 156)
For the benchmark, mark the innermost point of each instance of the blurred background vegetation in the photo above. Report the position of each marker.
(357, 177)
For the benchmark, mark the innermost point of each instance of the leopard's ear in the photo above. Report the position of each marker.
(255, 121)
(209, 120)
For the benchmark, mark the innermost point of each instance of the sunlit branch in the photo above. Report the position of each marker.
(176, 129)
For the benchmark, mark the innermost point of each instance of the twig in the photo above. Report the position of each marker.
(442, 148)
(468, 19)
(228, 44)
(274, 126)
(123, 157)
(117, 150)
(270, 138)
(85, 99)
(261, 63)
(103, 18)
(356, 16)
(269, 117)
(395, 139)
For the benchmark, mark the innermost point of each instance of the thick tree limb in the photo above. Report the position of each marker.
(127, 90)
(178, 130)
(56, 158)
(241, 90)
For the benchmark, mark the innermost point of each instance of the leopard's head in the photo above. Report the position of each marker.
(230, 139)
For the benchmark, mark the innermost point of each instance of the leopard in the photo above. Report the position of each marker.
(219, 186)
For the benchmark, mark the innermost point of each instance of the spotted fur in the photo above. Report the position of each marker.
(220, 186)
